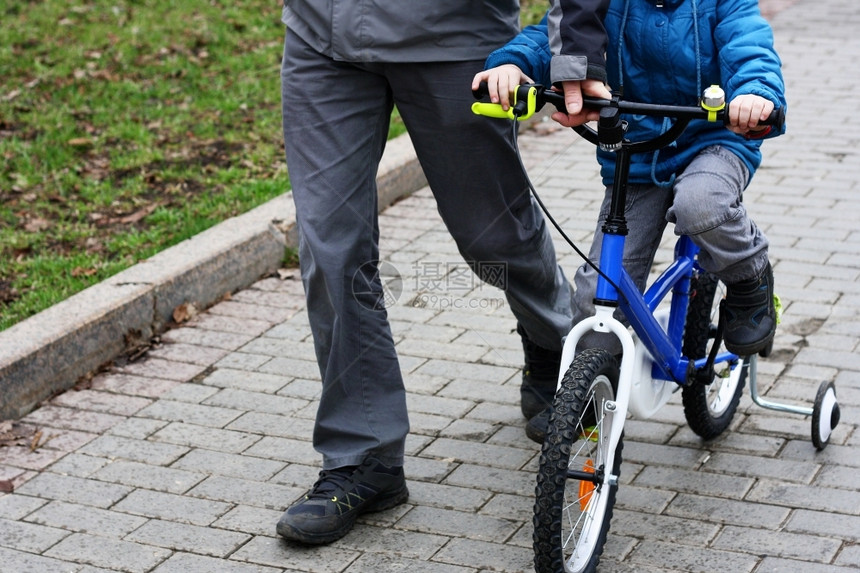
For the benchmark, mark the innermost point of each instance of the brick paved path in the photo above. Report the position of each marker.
(184, 460)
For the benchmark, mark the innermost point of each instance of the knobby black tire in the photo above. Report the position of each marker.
(593, 371)
(705, 415)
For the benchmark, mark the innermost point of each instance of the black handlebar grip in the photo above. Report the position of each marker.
(482, 91)
(776, 119)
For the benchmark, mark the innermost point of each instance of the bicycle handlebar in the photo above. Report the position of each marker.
(530, 98)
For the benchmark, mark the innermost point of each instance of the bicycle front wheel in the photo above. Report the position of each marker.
(576, 488)
(710, 407)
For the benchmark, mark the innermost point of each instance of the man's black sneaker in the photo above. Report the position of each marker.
(540, 376)
(329, 510)
(537, 425)
(750, 316)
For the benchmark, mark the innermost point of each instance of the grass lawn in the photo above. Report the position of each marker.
(127, 127)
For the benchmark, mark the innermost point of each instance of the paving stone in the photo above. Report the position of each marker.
(456, 524)
(148, 476)
(301, 388)
(68, 418)
(273, 425)
(700, 482)
(469, 430)
(228, 324)
(255, 401)
(218, 463)
(74, 490)
(167, 369)
(375, 562)
(296, 368)
(485, 555)
(63, 440)
(825, 524)
(839, 477)
(779, 565)
(242, 361)
(446, 496)
(85, 519)
(252, 520)
(190, 563)
(118, 447)
(172, 507)
(394, 542)
(24, 457)
(191, 353)
(849, 557)
(662, 454)
(691, 558)
(294, 451)
(449, 407)
(79, 465)
(662, 527)
(108, 553)
(98, 401)
(777, 544)
(426, 469)
(193, 393)
(808, 497)
(758, 466)
(277, 552)
(647, 500)
(721, 510)
(247, 492)
(14, 506)
(477, 453)
(249, 381)
(132, 385)
(493, 479)
(512, 507)
(185, 537)
(428, 424)
(28, 536)
(207, 338)
(194, 436)
(22, 562)
(212, 416)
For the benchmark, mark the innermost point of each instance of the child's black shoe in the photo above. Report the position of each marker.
(749, 315)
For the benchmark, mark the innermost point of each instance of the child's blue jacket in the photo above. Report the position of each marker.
(669, 55)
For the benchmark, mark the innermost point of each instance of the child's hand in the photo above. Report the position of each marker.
(746, 111)
(501, 82)
(573, 94)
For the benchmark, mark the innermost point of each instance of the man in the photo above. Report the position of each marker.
(346, 64)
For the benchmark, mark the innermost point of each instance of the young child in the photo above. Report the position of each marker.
(668, 52)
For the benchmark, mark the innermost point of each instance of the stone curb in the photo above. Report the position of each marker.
(50, 351)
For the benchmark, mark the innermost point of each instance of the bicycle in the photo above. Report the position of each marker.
(668, 349)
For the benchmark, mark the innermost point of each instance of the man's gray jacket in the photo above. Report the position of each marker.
(403, 30)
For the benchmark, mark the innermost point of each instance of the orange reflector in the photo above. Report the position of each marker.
(586, 488)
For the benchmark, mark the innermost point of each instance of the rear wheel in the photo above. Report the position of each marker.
(577, 478)
(709, 407)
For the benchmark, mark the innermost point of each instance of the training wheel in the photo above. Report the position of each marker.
(825, 415)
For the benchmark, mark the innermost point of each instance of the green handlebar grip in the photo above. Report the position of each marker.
(492, 110)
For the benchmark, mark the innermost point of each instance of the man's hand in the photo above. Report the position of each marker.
(573, 94)
(746, 111)
(501, 82)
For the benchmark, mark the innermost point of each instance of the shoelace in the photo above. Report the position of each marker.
(330, 481)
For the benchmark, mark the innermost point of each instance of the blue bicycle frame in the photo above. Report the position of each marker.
(664, 345)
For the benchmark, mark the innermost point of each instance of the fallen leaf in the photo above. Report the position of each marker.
(82, 272)
(35, 442)
(6, 486)
(80, 142)
(184, 312)
(36, 225)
